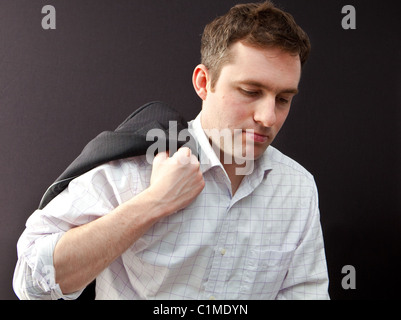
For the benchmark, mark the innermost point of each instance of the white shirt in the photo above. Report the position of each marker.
(265, 242)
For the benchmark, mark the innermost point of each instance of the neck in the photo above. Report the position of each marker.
(232, 172)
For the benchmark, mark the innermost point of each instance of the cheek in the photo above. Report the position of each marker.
(235, 111)
(228, 110)
(242, 117)
(281, 117)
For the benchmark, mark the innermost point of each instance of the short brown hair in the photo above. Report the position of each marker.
(257, 24)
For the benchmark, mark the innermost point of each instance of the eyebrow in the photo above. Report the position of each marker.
(262, 86)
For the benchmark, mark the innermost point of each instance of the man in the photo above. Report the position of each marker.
(196, 228)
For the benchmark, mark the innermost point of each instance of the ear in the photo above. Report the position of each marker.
(200, 80)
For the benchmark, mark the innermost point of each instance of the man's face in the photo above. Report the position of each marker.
(254, 92)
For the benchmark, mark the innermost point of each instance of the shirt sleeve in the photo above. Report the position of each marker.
(86, 199)
(34, 276)
(307, 278)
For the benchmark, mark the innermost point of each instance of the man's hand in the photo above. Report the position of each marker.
(176, 181)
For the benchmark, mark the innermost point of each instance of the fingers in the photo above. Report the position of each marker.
(176, 180)
(160, 157)
(183, 152)
(184, 156)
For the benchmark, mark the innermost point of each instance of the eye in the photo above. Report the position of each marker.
(249, 93)
(283, 101)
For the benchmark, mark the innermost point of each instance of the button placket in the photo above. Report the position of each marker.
(219, 268)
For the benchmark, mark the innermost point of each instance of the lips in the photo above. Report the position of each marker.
(256, 137)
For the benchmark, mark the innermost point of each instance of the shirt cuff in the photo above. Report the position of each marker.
(44, 272)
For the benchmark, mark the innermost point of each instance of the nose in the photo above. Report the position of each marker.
(265, 112)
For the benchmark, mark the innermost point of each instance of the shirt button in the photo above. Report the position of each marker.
(223, 251)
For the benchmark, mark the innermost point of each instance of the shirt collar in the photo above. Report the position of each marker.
(208, 158)
(265, 161)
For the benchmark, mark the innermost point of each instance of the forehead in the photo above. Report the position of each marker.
(271, 66)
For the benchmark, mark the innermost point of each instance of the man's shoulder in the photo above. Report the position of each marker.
(124, 166)
(286, 165)
(132, 163)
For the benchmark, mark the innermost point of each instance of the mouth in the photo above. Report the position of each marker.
(256, 137)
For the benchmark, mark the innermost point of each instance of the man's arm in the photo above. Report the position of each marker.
(83, 252)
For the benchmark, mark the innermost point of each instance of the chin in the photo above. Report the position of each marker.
(255, 152)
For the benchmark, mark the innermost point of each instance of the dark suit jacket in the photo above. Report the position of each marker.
(128, 140)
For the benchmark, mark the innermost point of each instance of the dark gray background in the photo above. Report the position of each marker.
(60, 88)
